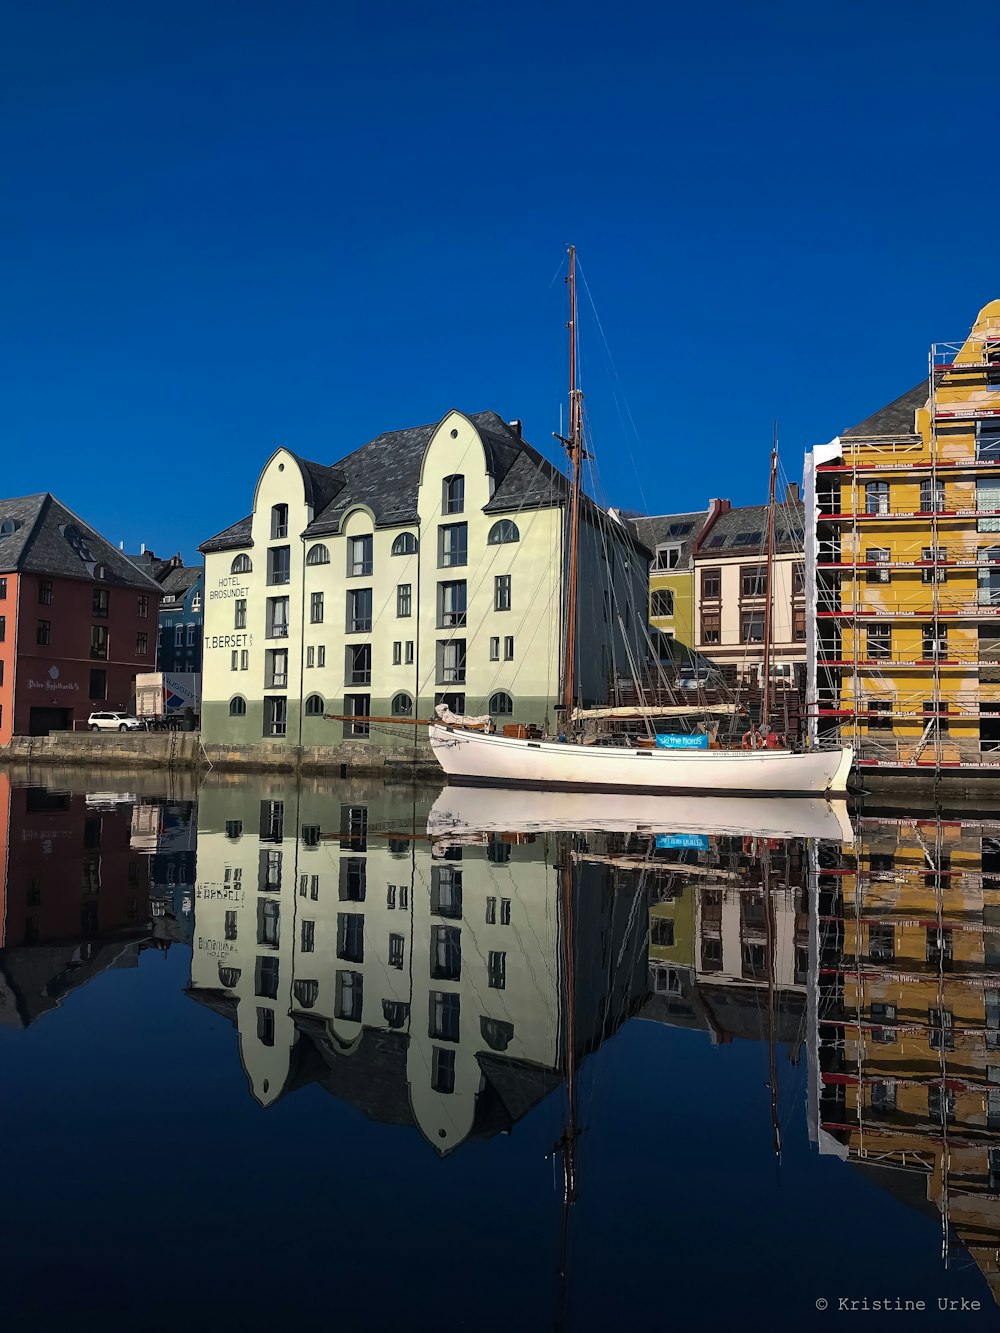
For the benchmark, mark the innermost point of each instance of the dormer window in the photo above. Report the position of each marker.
(667, 557)
(453, 495)
(279, 522)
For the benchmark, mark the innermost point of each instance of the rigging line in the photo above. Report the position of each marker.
(624, 398)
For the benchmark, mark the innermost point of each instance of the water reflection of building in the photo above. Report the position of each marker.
(728, 919)
(905, 1059)
(167, 832)
(426, 989)
(75, 896)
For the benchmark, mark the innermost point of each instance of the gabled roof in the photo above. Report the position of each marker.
(676, 529)
(384, 475)
(745, 529)
(180, 579)
(50, 539)
(231, 538)
(893, 420)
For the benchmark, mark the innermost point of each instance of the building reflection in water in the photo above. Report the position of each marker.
(75, 895)
(729, 927)
(425, 984)
(905, 1058)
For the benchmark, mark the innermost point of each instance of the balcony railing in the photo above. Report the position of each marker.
(359, 676)
(278, 632)
(452, 675)
(359, 625)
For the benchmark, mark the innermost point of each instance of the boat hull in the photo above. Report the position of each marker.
(473, 757)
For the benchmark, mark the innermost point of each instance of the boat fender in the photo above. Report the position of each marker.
(752, 740)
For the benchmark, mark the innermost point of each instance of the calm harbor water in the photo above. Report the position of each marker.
(273, 1055)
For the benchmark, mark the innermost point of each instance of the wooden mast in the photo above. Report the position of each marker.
(568, 1142)
(574, 450)
(765, 704)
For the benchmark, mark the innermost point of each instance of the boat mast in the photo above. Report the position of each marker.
(772, 1063)
(568, 1142)
(765, 703)
(574, 451)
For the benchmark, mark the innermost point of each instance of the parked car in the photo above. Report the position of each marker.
(114, 722)
(700, 678)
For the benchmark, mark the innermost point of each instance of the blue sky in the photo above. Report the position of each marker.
(231, 226)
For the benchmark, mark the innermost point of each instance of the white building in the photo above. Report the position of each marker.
(426, 566)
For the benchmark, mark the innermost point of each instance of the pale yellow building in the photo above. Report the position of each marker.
(426, 567)
(425, 983)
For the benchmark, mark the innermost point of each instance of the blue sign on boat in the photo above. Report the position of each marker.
(682, 742)
(699, 841)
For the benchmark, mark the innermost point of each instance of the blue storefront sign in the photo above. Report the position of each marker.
(682, 742)
(698, 841)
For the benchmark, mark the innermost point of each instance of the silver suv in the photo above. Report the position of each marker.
(114, 722)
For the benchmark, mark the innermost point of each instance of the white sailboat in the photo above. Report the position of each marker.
(469, 753)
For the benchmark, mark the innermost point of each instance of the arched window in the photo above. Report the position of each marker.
(402, 706)
(241, 565)
(314, 706)
(8, 527)
(453, 495)
(497, 1034)
(318, 555)
(395, 1013)
(405, 544)
(501, 704)
(503, 531)
(228, 977)
(306, 993)
(498, 851)
(237, 706)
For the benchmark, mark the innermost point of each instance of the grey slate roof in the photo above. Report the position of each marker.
(384, 475)
(231, 538)
(50, 539)
(652, 530)
(893, 420)
(180, 580)
(735, 531)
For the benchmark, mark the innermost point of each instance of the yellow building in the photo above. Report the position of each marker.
(671, 538)
(906, 1052)
(906, 552)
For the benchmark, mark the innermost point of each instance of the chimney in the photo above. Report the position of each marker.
(715, 508)
(121, 546)
(142, 548)
(792, 493)
(515, 426)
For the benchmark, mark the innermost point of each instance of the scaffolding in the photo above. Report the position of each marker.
(908, 540)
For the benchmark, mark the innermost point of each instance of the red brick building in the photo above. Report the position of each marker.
(78, 621)
(74, 896)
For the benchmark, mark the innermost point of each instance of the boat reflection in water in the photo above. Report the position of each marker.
(905, 1050)
(461, 811)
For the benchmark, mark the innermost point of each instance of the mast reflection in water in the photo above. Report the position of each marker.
(597, 1032)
